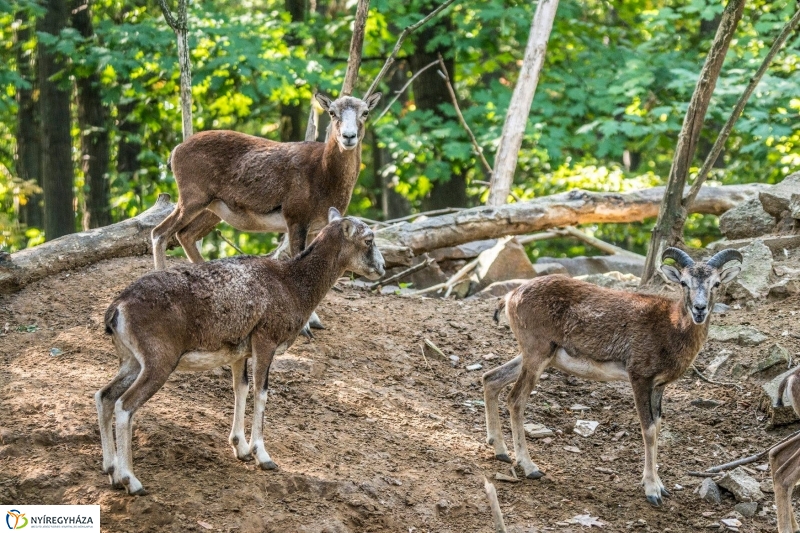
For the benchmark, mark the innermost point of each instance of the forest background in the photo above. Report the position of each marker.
(614, 89)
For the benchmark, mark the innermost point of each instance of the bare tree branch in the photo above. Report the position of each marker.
(737, 111)
(401, 91)
(478, 150)
(669, 227)
(406, 32)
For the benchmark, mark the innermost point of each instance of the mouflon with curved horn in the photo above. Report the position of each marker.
(606, 335)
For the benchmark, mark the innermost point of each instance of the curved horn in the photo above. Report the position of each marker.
(720, 258)
(680, 257)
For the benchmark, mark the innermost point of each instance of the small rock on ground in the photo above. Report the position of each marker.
(709, 491)
(746, 509)
(743, 486)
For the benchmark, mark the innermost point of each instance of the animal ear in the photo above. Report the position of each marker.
(729, 273)
(324, 101)
(373, 100)
(671, 273)
(349, 228)
(333, 214)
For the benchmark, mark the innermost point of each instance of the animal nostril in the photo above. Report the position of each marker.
(349, 135)
(699, 307)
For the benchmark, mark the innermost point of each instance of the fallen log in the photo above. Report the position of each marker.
(127, 238)
(567, 209)
(398, 243)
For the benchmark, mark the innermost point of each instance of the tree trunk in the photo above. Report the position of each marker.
(430, 92)
(181, 27)
(505, 162)
(292, 114)
(54, 100)
(393, 204)
(356, 46)
(668, 230)
(93, 120)
(129, 147)
(28, 157)
(398, 243)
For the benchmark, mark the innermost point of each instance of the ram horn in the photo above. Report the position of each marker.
(720, 258)
(680, 257)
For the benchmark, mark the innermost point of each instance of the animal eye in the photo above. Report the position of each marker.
(716, 285)
(683, 283)
(365, 114)
(368, 242)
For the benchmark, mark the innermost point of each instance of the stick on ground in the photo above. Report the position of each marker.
(709, 380)
(497, 514)
(404, 273)
(744, 461)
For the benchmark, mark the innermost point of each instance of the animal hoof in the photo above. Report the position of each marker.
(140, 492)
(655, 501)
(117, 485)
(306, 332)
(245, 458)
(503, 457)
(108, 471)
(536, 474)
(665, 492)
(269, 465)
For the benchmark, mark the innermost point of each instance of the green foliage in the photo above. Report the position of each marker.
(610, 101)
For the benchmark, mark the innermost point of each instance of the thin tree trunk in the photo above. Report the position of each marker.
(505, 163)
(430, 92)
(93, 120)
(356, 46)
(668, 230)
(180, 26)
(393, 204)
(292, 113)
(54, 109)
(28, 157)
(130, 146)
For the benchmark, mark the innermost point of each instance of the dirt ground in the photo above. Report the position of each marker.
(368, 435)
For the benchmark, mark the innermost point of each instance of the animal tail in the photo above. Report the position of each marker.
(111, 319)
(781, 389)
(501, 305)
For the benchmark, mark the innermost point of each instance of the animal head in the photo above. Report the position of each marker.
(348, 116)
(360, 252)
(700, 282)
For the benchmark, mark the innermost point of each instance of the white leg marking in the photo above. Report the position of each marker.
(257, 448)
(240, 388)
(105, 418)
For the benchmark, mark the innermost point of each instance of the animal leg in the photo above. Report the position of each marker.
(495, 381)
(147, 383)
(240, 388)
(105, 399)
(180, 217)
(263, 352)
(533, 364)
(784, 461)
(194, 232)
(648, 405)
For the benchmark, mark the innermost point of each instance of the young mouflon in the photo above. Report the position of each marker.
(199, 317)
(606, 335)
